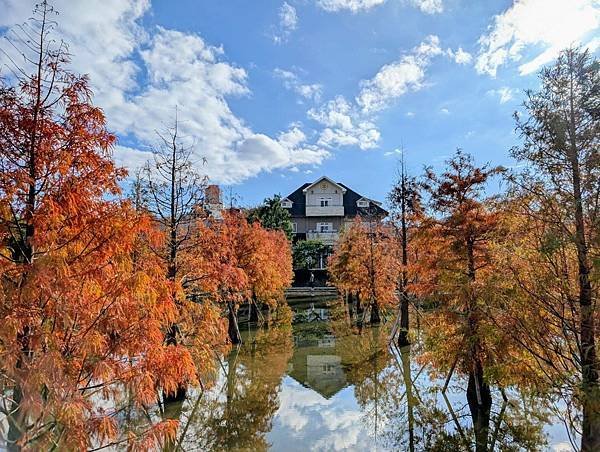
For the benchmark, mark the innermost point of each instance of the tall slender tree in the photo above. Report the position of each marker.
(174, 193)
(406, 210)
(461, 226)
(561, 138)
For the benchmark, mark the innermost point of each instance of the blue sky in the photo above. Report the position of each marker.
(277, 93)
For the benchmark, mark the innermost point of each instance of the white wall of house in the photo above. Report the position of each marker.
(324, 198)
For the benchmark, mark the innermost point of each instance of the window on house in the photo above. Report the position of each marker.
(325, 202)
(324, 227)
(286, 204)
(362, 203)
(294, 227)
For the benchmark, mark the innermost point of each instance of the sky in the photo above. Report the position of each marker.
(272, 94)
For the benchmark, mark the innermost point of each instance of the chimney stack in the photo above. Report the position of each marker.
(212, 195)
(212, 201)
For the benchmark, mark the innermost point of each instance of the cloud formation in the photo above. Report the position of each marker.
(288, 22)
(291, 81)
(349, 5)
(397, 78)
(429, 6)
(344, 125)
(460, 56)
(541, 26)
(350, 123)
(355, 6)
(504, 94)
(139, 75)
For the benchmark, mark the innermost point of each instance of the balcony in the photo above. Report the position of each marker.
(324, 211)
(328, 238)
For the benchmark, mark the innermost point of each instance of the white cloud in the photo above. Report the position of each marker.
(288, 22)
(444, 111)
(410, 114)
(429, 6)
(355, 6)
(545, 26)
(179, 69)
(350, 5)
(133, 159)
(460, 56)
(504, 94)
(344, 125)
(394, 152)
(353, 123)
(395, 79)
(292, 82)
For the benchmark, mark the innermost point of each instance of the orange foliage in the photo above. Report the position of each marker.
(82, 315)
(237, 260)
(365, 261)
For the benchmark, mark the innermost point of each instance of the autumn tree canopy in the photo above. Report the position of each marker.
(364, 262)
(238, 261)
(81, 320)
(554, 254)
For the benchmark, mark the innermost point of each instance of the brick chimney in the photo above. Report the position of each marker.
(212, 195)
(212, 201)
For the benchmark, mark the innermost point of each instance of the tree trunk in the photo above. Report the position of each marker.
(172, 411)
(253, 311)
(479, 398)
(234, 332)
(403, 334)
(359, 311)
(410, 400)
(229, 412)
(179, 395)
(590, 434)
(404, 320)
(375, 316)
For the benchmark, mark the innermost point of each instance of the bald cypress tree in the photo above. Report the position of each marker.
(560, 134)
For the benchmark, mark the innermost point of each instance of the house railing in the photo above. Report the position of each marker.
(327, 237)
(316, 210)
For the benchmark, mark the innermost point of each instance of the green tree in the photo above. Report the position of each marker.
(272, 216)
(307, 253)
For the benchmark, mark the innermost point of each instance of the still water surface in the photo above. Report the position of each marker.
(322, 385)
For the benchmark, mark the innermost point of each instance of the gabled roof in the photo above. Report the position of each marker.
(340, 186)
(351, 209)
(298, 199)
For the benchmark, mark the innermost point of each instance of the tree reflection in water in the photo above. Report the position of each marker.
(400, 402)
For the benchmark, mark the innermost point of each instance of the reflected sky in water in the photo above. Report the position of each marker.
(322, 386)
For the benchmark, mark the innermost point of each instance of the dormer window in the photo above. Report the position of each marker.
(286, 203)
(362, 203)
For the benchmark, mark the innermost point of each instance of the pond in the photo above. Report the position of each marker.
(321, 384)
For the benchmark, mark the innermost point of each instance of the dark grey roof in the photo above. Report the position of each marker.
(350, 207)
(350, 198)
(298, 201)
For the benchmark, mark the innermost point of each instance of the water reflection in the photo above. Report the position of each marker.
(323, 385)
